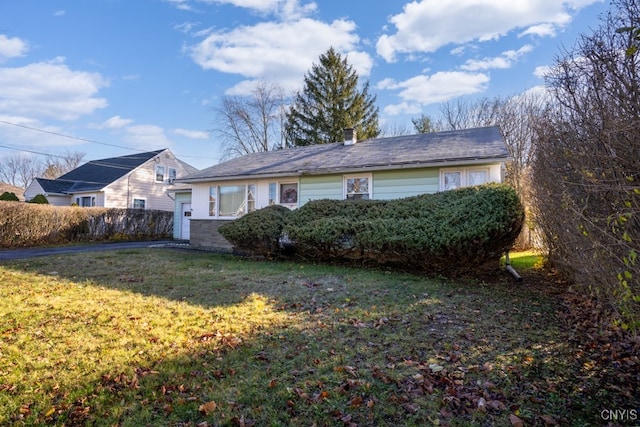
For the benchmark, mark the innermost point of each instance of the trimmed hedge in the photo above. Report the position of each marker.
(257, 232)
(26, 224)
(453, 233)
(9, 197)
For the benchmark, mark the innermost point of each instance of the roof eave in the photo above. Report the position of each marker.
(351, 169)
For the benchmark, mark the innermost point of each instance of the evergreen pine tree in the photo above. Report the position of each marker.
(331, 102)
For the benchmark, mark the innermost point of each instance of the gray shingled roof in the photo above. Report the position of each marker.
(428, 149)
(54, 186)
(97, 174)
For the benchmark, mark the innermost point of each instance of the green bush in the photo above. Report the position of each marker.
(451, 233)
(9, 197)
(258, 232)
(39, 199)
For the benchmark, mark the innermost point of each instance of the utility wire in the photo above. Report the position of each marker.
(31, 151)
(70, 137)
(65, 136)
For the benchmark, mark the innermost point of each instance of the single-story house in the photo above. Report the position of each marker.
(139, 181)
(379, 168)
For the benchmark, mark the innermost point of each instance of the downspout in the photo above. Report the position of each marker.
(510, 269)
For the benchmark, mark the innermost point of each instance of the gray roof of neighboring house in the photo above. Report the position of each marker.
(97, 174)
(406, 151)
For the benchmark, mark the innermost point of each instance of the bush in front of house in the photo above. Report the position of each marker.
(39, 199)
(459, 232)
(9, 197)
(26, 224)
(258, 232)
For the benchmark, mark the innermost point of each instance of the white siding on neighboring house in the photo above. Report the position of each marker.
(33, 190)
(141, 184)
(54, 199)
(57, 200)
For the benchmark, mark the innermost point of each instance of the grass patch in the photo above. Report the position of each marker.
(525, 260)
(163, 337)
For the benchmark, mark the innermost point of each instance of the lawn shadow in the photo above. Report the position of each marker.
(286, 343)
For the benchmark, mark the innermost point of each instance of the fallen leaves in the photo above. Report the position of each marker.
(208, 408)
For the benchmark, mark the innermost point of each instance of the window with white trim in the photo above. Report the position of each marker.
(159, 173)
(453, 178)
(357, 187)
(273, 195)
(138, 203)
(213, 198)
(289, 193)
(173, 174)
(251, 198)
(231, 201)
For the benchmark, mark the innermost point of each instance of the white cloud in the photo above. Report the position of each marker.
(541, 71)
(285, 9)
(180, 4)
(278, 51)
(505, 60)
(542, 30)
(146, 137)
(59, 13)
(50, 89)
(427, 25)
(439, 87)
(12, 47)
(193, 134)
(115, 122)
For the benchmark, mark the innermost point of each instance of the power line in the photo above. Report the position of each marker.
(65, 136)
(32, 151)
(78, 138)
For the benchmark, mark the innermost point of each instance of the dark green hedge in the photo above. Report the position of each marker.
(257, 232)
(9, 197)
(453, 233)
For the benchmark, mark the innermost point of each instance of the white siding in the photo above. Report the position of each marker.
(141, 184)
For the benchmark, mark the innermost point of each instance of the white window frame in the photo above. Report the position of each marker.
(144, 202)
(464, 175)
(162, 174)
(280, 195)
(172, 174)
(247, 205)
(367, 176)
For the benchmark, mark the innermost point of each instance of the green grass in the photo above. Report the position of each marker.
(525, 260)
(164, 337)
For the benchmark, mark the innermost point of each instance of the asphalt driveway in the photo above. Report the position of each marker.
(12, 254)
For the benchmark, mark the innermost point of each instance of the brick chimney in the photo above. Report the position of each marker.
(350, 136)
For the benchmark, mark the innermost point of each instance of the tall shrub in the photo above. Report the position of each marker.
(587, 164)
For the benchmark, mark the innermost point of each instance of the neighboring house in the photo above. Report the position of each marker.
(380, 168)
(139, 181)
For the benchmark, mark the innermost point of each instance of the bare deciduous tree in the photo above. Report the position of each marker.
(517, 117)
(253, 123)
(20, 169)
(587, 163)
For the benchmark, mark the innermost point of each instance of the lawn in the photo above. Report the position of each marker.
(168, 337)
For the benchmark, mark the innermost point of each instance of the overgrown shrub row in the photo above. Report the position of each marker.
(451, 233)
(25, 224)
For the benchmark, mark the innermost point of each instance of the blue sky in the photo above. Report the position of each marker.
(114, 77)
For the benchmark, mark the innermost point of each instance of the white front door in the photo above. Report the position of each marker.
(185, 220)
